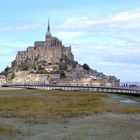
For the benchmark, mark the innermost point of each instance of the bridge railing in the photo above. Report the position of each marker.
(121, 90)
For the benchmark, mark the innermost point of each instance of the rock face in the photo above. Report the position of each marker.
(23, 77)
(2, 79)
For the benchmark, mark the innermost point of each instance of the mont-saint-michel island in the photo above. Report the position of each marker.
(69, 70)
(51, 62)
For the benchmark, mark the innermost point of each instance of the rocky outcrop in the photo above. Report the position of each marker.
(24, 77)
(2, 79)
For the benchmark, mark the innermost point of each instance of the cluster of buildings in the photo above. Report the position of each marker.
(82, 77)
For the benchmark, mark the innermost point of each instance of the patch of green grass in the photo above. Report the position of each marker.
(51, 104)
(118, 107)
(129, 109)
(18, 91)
(57, 104)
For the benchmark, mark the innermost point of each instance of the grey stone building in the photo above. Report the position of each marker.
(51, 50)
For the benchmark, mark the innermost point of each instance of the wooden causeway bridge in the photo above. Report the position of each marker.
(105, 89)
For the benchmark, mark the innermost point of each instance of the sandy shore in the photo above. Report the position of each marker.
(104, 126)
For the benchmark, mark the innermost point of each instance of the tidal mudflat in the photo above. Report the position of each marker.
(61, 115)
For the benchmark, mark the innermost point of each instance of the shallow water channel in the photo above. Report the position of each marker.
(126, 99)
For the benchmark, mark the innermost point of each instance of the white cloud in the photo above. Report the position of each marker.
(127, 16)
(117, 64)
(110, 59)
(130, 19)
(5, 29)
(68, 35)
(12, 44)
(9, 49)
(28, 26)
(120, 22)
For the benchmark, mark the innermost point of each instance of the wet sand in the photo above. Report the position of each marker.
(104, 126)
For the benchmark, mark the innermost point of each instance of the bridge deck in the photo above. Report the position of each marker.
(121, 90)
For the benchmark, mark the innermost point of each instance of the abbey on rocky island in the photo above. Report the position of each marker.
(50, 61)
(51, 50)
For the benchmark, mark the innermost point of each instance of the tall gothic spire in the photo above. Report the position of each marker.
(48, 26)
(48, 34)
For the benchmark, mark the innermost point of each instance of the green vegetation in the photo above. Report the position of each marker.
(6, 69)
(62, 66)
(49, 63)
(23, 66)
(74, 63)
(10, 76)
(37, 63)
(86, 67)
(13, 63)
(62, 75)
(123, 108)
(40, 67)
(57, 104)
(5, 72)
(43, 71)
(50, 104)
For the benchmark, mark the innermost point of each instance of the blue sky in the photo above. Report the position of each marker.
(104, 33)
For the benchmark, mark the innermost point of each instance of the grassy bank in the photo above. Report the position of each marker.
(41, 105)
(50, 104)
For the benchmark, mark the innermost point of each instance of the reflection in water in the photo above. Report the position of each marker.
(117, 97)
(129, 101)
(124, 99)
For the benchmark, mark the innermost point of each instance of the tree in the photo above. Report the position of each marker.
(23, 66)
(33, 66)
(62, 65)
(10, 76)
(62, 75)
(74, 64)
(86, 67)
(41, 70)
(40, 67)
(61, 59)
(6, 69)
(49, 63)
(13, 63)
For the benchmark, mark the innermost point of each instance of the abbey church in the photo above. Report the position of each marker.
(51, 50)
